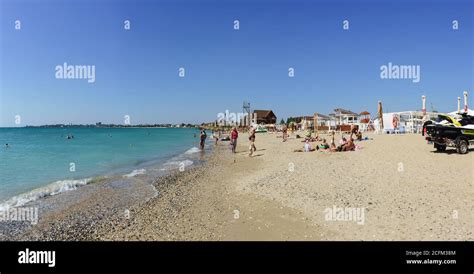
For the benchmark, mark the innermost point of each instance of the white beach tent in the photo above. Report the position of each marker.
(410, 121)
(469, 112)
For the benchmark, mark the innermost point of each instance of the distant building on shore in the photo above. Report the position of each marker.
(264, 117)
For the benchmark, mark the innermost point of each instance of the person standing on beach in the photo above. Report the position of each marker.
(215, 135)
(203, 139)
(285, 132)
(233, 139)
(252, 147)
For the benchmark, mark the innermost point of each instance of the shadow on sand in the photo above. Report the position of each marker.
(450, 151)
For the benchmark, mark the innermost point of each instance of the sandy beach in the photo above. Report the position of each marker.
(406, 190)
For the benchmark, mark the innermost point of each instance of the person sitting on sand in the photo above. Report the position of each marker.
(307, 148)
(358, 136)
(324, 144)
(349, 146)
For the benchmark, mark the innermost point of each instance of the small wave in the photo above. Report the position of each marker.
(192, 150)
(48, 190)
(176, 164)
(135, 173)
(184, 163)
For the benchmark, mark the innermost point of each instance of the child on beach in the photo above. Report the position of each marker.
(215, 136)
(307, 147)
(285, 133)
(252, 147)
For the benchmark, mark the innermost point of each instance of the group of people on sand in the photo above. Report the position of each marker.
(345, 144)
(234, 135)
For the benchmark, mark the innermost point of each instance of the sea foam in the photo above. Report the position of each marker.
(48, 190)
(192, 150)
(135, 173)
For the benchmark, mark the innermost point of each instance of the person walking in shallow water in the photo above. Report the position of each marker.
(233, 139)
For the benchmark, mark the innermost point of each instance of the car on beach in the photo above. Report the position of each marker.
(449, 131)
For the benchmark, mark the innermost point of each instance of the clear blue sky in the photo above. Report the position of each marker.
(137, 70)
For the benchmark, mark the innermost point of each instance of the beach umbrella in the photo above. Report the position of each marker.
(380, 114)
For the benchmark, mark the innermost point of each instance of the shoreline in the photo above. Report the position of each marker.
(235, 197)
(54, 199)
(130, 170)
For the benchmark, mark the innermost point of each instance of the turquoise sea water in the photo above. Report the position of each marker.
(37, 157)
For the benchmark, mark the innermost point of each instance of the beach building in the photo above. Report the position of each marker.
(343, 119)
(266, 117)
(304, 122)
(323, 122)
(365, 122)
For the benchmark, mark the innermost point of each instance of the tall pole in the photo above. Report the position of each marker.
(380, 114)
(316, 124)
(459, 104)
(340, 122)
(465, 101)
(423, 108)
